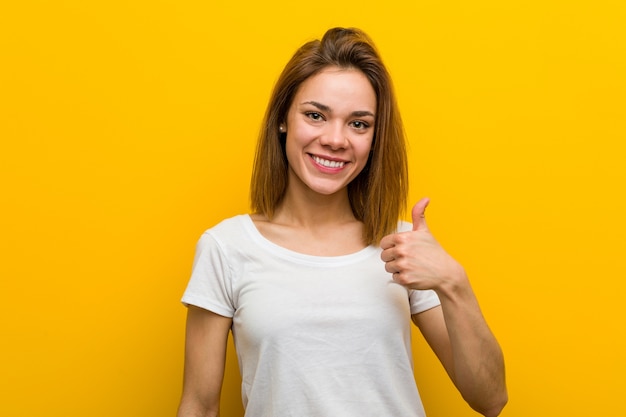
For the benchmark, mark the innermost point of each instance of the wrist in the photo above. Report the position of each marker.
(455, 285)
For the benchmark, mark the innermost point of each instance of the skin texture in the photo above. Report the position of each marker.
(332, 117)
(205, 356)
(456, 331)
(314, 216)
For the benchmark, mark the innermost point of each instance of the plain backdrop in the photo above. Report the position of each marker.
(127, 128)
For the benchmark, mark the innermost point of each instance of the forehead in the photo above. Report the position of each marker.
(334, 85)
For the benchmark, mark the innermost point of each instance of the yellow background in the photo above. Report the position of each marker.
(127, 128)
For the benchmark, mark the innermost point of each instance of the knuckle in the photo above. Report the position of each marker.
(401, 252)
(401, 278)
(402, 237)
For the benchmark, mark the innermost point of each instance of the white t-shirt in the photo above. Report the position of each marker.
(315, 336)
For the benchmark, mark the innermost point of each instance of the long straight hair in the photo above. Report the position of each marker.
(378, 194)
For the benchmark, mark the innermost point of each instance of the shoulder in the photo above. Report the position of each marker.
(230, 224)
(230, 229)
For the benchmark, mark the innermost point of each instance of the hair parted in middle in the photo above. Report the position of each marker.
(378, 194)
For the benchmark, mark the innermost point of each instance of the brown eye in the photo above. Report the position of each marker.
(314, 116)
(359, 124)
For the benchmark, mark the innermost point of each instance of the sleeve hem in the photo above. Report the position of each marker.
(431, 302)
(188, 300)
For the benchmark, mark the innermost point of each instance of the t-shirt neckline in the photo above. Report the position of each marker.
(281, 251)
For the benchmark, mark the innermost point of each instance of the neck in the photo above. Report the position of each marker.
(310, 209)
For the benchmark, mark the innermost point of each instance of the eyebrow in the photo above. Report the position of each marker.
(323, 107)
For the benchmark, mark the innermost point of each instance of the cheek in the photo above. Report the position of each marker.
(364, 149)
(299, 136)
(293, 146)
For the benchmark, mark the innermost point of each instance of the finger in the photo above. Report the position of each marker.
(419, 214)
(389, 267)
(386, 256)
(387, 242)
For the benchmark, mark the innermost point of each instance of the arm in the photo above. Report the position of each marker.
(461, 339)
(205, 356)
(456, 331)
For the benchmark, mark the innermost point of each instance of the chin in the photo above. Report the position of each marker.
(328, 191)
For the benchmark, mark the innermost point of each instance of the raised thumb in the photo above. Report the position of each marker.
(419, 213)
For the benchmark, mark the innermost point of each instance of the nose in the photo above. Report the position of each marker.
(334, 137)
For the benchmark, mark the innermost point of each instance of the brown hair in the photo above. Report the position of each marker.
(378, 194)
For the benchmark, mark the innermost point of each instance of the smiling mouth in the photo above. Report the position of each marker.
(328, 164)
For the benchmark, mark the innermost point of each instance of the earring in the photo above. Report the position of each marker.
(281, 129)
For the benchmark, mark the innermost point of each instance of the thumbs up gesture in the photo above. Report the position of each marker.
(416, 259)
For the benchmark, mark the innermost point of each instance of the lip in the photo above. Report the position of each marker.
(329, 169)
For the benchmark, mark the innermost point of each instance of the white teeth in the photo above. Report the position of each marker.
(327, 163)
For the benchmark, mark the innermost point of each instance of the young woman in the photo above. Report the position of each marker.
(320, 284)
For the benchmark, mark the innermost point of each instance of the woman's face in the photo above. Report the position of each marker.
(330, 127)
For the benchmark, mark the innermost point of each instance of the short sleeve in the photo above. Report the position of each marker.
(210, 285)
(422, 300)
